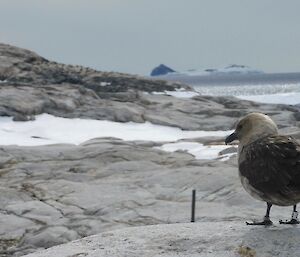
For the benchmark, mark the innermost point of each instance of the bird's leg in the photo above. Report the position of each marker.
(266, 221)
(294, 218)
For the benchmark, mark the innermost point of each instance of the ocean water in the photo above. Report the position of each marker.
(248, 90)
(280, 88)
(265, 93)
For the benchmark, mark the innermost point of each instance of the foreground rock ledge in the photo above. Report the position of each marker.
(192, 239)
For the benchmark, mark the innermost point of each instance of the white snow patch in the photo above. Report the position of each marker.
(48, 129)
(226, 157)
(180, 93)
(104, 84)
(199, 150)
(283, 98)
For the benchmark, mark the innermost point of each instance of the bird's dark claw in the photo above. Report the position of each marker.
(266, 222)
(291, 222)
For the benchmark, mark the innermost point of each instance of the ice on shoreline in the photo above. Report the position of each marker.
(198, 150)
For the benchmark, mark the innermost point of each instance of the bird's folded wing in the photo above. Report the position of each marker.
(272, 164)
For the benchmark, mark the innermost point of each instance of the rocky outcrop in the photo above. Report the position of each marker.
(23, 101)
(33, 85)
(201, 239)
(50, 195)
(22, 66)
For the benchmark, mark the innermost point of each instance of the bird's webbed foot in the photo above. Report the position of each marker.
(265, 222)
(294, 220)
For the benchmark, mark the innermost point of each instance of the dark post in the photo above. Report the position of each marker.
(193, 205)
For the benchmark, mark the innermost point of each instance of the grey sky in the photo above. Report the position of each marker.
(136, 35)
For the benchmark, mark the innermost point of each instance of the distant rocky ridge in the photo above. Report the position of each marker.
(50, 195)
(18, 65)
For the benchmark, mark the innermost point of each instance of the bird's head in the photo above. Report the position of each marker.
(252, 127)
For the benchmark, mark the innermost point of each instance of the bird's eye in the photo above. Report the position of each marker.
(240, 126)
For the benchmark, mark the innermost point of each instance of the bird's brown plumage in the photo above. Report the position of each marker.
(269, 164)
(270, 169)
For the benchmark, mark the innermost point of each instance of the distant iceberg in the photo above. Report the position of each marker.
(163, 70)
(235, 68)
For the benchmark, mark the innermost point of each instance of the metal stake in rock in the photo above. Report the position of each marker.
(193, 205)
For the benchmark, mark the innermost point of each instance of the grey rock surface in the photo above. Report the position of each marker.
(76, 101)
(50, 195)
(203, 239)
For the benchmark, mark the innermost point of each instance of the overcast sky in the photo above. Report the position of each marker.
(136, 35)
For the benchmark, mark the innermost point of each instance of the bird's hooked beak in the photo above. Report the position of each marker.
(231, 138)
